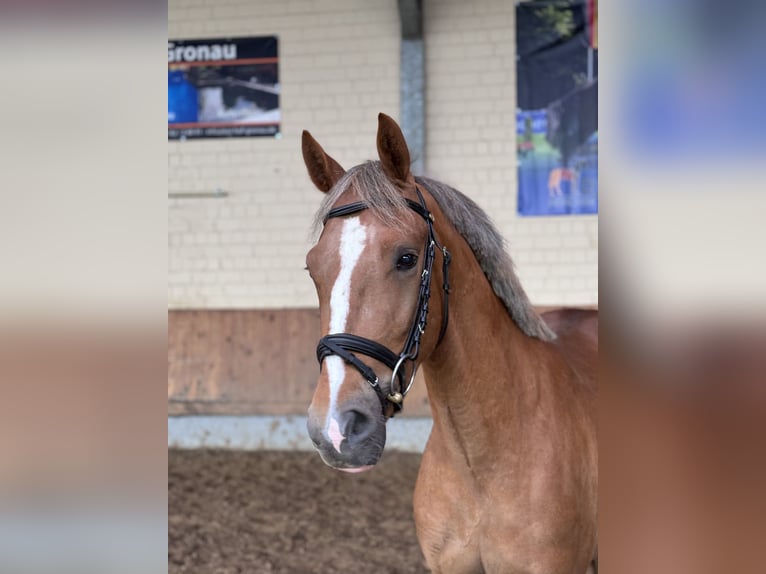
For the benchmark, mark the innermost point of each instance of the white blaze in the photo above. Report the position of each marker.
(336, 437)
(352, 242)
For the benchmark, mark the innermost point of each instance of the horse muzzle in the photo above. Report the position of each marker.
(351, 439)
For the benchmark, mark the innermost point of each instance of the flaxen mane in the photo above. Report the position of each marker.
(373, 186)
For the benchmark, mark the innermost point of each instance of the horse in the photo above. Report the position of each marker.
(508, 478)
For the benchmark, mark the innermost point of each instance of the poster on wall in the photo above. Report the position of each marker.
(557, 107)
(223, 88)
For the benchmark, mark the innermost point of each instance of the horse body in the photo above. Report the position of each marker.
(508, 479)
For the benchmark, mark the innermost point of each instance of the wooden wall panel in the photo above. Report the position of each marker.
(240, 362)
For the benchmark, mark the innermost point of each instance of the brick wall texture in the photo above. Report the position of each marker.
(339, 67)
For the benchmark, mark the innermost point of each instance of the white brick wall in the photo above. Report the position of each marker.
(339, 67)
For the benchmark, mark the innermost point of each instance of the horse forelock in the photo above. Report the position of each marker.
(386, 201)
(372, 186)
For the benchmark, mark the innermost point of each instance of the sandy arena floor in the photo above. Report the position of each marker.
(286, 512)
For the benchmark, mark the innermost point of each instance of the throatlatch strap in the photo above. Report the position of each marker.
(445, 286)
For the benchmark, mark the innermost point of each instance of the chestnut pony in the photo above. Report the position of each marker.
(508, 479)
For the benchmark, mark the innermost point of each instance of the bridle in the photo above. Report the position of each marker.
(345, 345)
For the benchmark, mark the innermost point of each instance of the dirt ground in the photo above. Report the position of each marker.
(286, 512)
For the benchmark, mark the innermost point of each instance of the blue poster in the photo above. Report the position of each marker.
(557, 114)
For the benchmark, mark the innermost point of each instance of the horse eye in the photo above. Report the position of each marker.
(406, 261)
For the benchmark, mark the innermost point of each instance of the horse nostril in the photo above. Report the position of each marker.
(359, 426)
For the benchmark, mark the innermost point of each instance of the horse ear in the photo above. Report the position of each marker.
(323, 170)
(392, 149)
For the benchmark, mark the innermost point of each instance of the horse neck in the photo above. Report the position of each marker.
(484, 379)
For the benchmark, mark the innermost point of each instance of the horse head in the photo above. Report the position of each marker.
(371, 267)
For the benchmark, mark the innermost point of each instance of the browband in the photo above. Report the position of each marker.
(358, 206)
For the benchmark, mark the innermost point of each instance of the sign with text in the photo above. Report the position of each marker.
(223, 88)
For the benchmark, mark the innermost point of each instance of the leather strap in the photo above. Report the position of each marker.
(447, 258)
(341, 344)
(344, 210)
